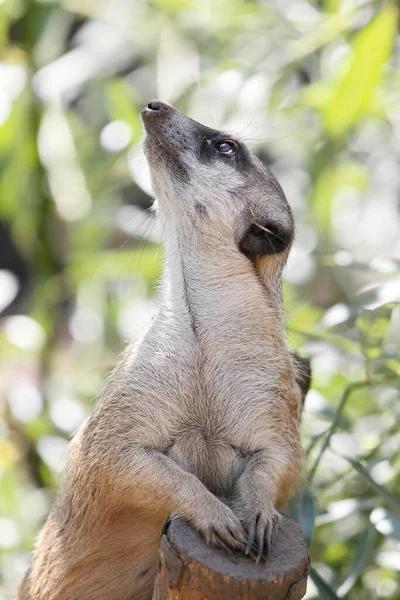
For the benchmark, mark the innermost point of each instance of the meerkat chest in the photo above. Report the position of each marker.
(218, 431)
(210, 456)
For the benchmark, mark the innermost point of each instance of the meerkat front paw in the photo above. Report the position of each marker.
(261, 527)
(221, 528)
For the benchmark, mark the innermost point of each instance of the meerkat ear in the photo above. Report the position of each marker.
(265, 238)
(302, 373)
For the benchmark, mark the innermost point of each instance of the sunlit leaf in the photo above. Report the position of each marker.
(386, 522)
(331, 179)
(327, 29)
(355, 91)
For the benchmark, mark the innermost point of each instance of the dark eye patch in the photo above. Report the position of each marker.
(209, 146)
(218, 148)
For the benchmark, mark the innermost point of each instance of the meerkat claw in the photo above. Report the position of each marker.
(251, 538)
(260, 550)
(267, 545)
(224, 546)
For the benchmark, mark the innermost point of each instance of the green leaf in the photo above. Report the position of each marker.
(335, 423)
(325, 591)
(357, 466)
(355, 92)
(302, 508)
(362, 553)
(330, 180)
(340, 341)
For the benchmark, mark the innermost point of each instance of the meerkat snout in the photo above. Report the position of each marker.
(210, 181)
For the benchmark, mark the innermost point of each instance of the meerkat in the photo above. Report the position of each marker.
(208, 404)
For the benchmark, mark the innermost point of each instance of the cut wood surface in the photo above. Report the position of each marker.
(192, 570)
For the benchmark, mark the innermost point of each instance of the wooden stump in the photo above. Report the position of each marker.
(192, 570)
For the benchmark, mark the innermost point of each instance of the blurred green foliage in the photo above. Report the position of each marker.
(314, 89)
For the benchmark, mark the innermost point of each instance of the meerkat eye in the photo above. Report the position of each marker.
(226, 148)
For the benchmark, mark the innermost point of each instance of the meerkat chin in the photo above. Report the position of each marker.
(208, 404)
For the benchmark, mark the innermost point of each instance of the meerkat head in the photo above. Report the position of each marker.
(211, 185)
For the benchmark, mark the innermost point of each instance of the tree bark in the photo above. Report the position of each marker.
(192, 570)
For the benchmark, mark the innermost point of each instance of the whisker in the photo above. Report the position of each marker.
(268, 140)
(264, 228)
(148, 209)
(145, 226)
(240, 133)
(161, 237)
(270, 232)
(137, 160)
(271, 244)
(152, 223)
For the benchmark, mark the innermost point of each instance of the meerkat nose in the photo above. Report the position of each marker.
(156, 110)
(155, 105)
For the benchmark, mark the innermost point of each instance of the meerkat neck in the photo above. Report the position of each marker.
(217, 290)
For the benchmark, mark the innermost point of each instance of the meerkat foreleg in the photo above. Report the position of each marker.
(263, 485)
(156, 478)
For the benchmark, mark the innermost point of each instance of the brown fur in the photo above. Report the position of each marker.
(207, 405)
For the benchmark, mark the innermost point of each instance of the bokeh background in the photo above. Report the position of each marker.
(314, 89)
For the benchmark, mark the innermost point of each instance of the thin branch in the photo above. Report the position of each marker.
(335, 423)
